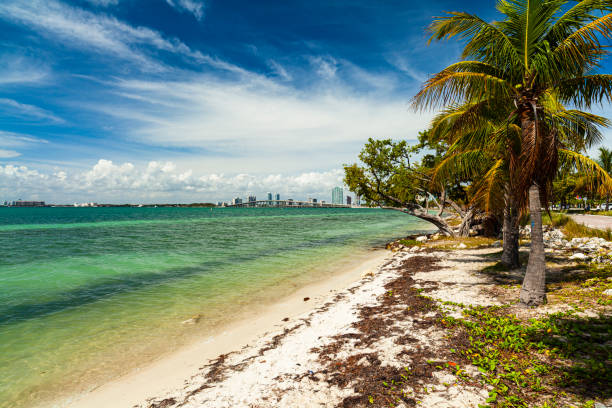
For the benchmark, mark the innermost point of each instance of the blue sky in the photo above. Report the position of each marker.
(203, 100)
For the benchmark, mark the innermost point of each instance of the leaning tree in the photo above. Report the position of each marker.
(388, 178)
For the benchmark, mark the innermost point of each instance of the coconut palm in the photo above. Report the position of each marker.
(605, 161)
(482, 148)
(540, 50)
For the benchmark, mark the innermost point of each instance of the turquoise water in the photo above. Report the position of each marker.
(89, 293)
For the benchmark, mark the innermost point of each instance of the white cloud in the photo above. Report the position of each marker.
(326, 66)
(82, 29)
(194, 7)
(103, 3)
(11, 139)
(406, 67)
(21, 70)
(279, 70)
(7, 154)
(259, 123)
(156, 182)
(14, 108)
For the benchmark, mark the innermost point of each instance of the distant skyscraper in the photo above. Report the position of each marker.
(348, 200)
(337, 195)
(237, 201)
(252, 198)
(269, 196)
(277, 197)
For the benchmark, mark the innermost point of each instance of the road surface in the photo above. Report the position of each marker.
(601, 222)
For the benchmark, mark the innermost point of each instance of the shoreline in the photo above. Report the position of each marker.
(170, 371)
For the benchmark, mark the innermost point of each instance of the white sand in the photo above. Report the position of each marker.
(171, 372)
(279, 368)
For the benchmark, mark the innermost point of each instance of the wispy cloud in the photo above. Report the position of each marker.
(21, 70)
(259, 116)
(279, 70)
(326, 66)
(407, 68)
(103, 3)
(195, 7)
(7, 154)
(30, 112)
(87, 31)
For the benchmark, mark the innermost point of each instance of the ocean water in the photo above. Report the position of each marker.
(87, 294)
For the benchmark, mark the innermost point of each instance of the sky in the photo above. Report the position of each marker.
(163, 101)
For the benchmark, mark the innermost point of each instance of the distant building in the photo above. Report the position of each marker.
(348, 200)
(269, 196)
(21, 203)
(237, 201)
(277, 198)
(252, 199)
(337, 195)
(357, 200)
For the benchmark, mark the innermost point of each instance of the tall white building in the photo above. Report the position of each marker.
(337, 195)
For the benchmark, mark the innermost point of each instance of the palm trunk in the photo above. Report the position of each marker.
(533, 291)
(510, 253)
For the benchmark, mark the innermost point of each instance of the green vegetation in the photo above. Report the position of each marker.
(546, 362)
(572, 229)
(505, 133)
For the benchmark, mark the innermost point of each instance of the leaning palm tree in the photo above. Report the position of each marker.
(605, 161)
(537, 49)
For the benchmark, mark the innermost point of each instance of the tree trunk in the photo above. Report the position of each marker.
(533, 291)
(466, 222)
(439, 222)
(510, 253)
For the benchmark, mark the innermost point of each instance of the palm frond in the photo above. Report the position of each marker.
(582, 48)
(450, 87)
(584, 91)
(590, 168)
(576, 17)
(489, 190)
(463, 165)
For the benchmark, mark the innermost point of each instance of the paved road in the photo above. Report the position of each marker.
(602, 222)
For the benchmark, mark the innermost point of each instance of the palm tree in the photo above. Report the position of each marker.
(605, 161)
(538, 52)
(482, 147)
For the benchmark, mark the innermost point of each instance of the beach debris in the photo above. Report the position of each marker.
(367, 274)
(286, 319)
(462, 246)
(193, 320)
(422, 238)
(306, 299)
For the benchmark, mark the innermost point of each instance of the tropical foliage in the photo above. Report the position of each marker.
(513, 113)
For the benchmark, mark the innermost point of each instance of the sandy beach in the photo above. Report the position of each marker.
(394, 331)
(170, 372)
(281, 358)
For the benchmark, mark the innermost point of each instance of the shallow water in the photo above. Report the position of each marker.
(88, 293)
